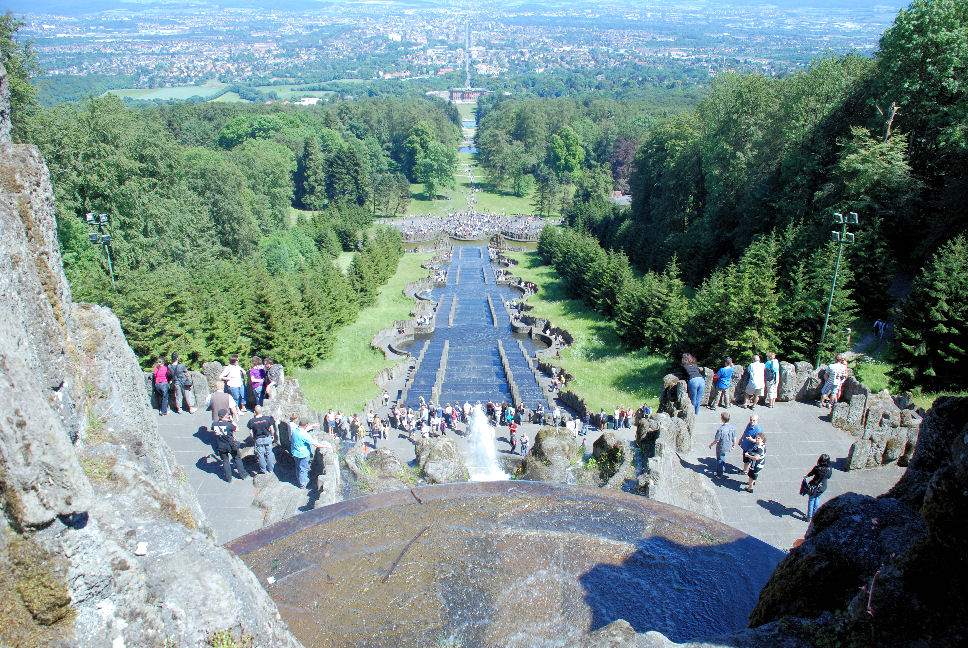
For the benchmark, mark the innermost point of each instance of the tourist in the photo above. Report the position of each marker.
(748, 440)
(160, 376)
(524, 443)
(721, 383)
(757, 382)
(696, 381)
(818, 476)
(539, 414)
(376, 431)
(556, 415)
(226, 447)
(724, 440)
(181, 385)
(220, 400)
(234, 377)
(586, 423)
(257, 378)
(264, 435)
(617, 417)
(513, 434)
(386, 398)
(329, 420)
(771, 376)
(302, 445)
(836, 374)
(273, 378)
(757, 457)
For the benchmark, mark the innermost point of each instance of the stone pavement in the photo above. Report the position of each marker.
(796, 435)
(228, 505)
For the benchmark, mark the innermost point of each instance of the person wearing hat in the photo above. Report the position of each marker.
(226, 446)
(302, 447)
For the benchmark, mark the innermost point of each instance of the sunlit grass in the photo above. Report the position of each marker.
(345, 380)
(606, 374)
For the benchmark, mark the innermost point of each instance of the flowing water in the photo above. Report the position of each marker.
(482, 459)
(503, 564)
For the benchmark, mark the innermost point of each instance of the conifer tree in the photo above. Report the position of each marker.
(930, 343)
(312, 174)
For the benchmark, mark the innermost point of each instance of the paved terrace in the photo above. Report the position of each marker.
(796, 435)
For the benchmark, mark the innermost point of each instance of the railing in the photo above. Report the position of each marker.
(490, 304)
(509, 375)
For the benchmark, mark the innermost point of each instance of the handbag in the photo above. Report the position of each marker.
(804, 487)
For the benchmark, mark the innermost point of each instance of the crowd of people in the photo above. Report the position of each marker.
(471, 225)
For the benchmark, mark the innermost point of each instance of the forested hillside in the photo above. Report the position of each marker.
(736, 199)
(209, 253)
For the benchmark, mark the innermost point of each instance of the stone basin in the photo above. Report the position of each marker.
(509, 564)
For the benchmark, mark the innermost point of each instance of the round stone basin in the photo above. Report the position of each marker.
(504, 564)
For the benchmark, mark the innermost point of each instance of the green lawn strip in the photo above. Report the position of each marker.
(873, 373)
(344, 260)
(466, 110)
(345, 380)
(606, 374)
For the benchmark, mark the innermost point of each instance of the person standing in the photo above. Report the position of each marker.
(303, 443)
(722, 381)
(724, 440)
(182, 385)
(226, 446)
(219, 401)
(386, 398)
(757, 382)
(274, 377)
(818, 476)
(257, 378)
(161, 377)
(748, 440)
(836, 375)
(513, 434)
(524, 443)
(696, 381)
(771, 376)
(757, 457)
(264, 435)
(234, 377)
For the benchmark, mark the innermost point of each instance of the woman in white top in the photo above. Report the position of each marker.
(836, 375)
(234, 377)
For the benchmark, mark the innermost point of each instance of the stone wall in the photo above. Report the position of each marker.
(96, 511)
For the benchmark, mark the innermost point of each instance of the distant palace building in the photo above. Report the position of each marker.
(466, 95)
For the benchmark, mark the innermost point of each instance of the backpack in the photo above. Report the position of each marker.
(769, 375)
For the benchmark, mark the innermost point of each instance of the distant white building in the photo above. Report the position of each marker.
(308, 101)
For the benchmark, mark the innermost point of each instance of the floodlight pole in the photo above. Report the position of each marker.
(841, 237)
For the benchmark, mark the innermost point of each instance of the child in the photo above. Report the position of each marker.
(756, 456)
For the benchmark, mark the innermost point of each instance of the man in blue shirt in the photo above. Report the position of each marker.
(748, 441)
(724, 441)
(302, 448)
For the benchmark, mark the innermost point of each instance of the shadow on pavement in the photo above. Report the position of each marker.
(779, 510)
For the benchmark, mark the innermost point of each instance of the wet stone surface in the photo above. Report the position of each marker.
(473, 369)
(518, 564)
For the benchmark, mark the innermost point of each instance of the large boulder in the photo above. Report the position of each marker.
(555, 456)
(807, 385)
(212, 370)
(440, 460)
(787, 389)
(379, 471)
(199, 387)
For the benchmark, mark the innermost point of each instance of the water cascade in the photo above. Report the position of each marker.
(482, 463)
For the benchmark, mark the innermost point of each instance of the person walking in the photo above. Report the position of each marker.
(757, 457)
(219, 400)
(181, 385)
(724, 440)
(771, 376)
(757, 382)
(264, 435)
(161, 376)
(721, 382)
(818, 476)
(226, 447)
(696, 381)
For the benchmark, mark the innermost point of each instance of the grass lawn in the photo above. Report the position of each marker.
(452, 199)
(345, 380)
(606, 374)
(344, 260)
(466, 110)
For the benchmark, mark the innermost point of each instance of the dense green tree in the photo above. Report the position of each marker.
(566, 154)
(653, 312)
(930, 343)
(435, 167)
(346, 179)
(415, 145)
(21, 64)
(268, 168)
(311, 177)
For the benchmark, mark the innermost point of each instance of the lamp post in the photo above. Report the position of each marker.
(841, 237)
(99, 236)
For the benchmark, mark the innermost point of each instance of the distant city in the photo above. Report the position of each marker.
(165, 45)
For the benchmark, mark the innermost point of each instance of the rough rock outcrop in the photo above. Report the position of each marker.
(887, 433)
(102, 541)
(379, 471)
(556, 456)
(663, 476)
(212, 370)
(674, 401)
(440, 460)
